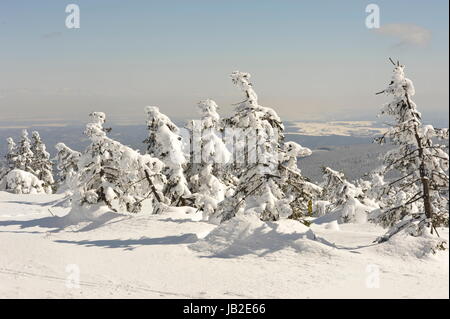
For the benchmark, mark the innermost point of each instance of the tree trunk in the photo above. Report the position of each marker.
(423, 176)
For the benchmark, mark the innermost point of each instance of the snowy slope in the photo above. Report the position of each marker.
(174, 255)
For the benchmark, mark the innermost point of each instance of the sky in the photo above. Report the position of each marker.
(309, 60)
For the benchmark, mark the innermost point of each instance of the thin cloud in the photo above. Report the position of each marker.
(407, 34)
(51, 35)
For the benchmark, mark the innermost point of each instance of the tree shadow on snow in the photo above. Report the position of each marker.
(43, 204)
(130, 244)
(56, 224)
(178, 221)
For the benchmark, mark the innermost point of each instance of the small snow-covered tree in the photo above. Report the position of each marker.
(346, 200)
(165, 143)
(11, 155)
(295, 185)
(24, 159)
(115, 175)
(335, 187)
(3, 169)
(21, 174)
(257, 138)
(209, 157)
(41, 164)
(67, 164)
(373, 189)
(421, 192)
(10, 161)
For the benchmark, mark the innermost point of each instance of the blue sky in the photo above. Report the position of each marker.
(310, 60)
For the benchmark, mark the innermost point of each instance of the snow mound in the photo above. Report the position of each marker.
(332, 225)
(247, 234)
(403, 245)
(92, 213)
(21, 182)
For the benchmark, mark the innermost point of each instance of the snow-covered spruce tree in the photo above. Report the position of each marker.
(67, 165)
(335, 187)
(165, 143)
(295, 185)
(24, 159)
(10, 161)
(345, 200)
(41, 164)
(115, 175)
(208, 158)
(421, 191)
(7, 162)
(14, 179)
(3, 171)
(11, 155)
(374, 188)
(257, 135)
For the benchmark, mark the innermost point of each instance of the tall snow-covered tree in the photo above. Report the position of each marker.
(67, 164)
(257, 138)
(115, 175)
(209, 156)
(41, 164)
(419, 196)
(165, 143)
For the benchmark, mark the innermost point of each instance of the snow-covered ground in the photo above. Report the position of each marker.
(174, 255)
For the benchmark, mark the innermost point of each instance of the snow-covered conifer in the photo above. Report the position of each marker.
(335, 186)
(165, 143)
(209, 157)
(257, 143)
(41, 164)
(9, 162)
(421, 192)
(115, 175)
(11, 155)
(24, 160)
(295, 185)
(67, 165)
(374, 188)
(346, 200)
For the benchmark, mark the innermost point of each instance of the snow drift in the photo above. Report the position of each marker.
(247, 234)
(403, 245)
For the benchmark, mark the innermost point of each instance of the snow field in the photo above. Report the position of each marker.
(176, 255)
